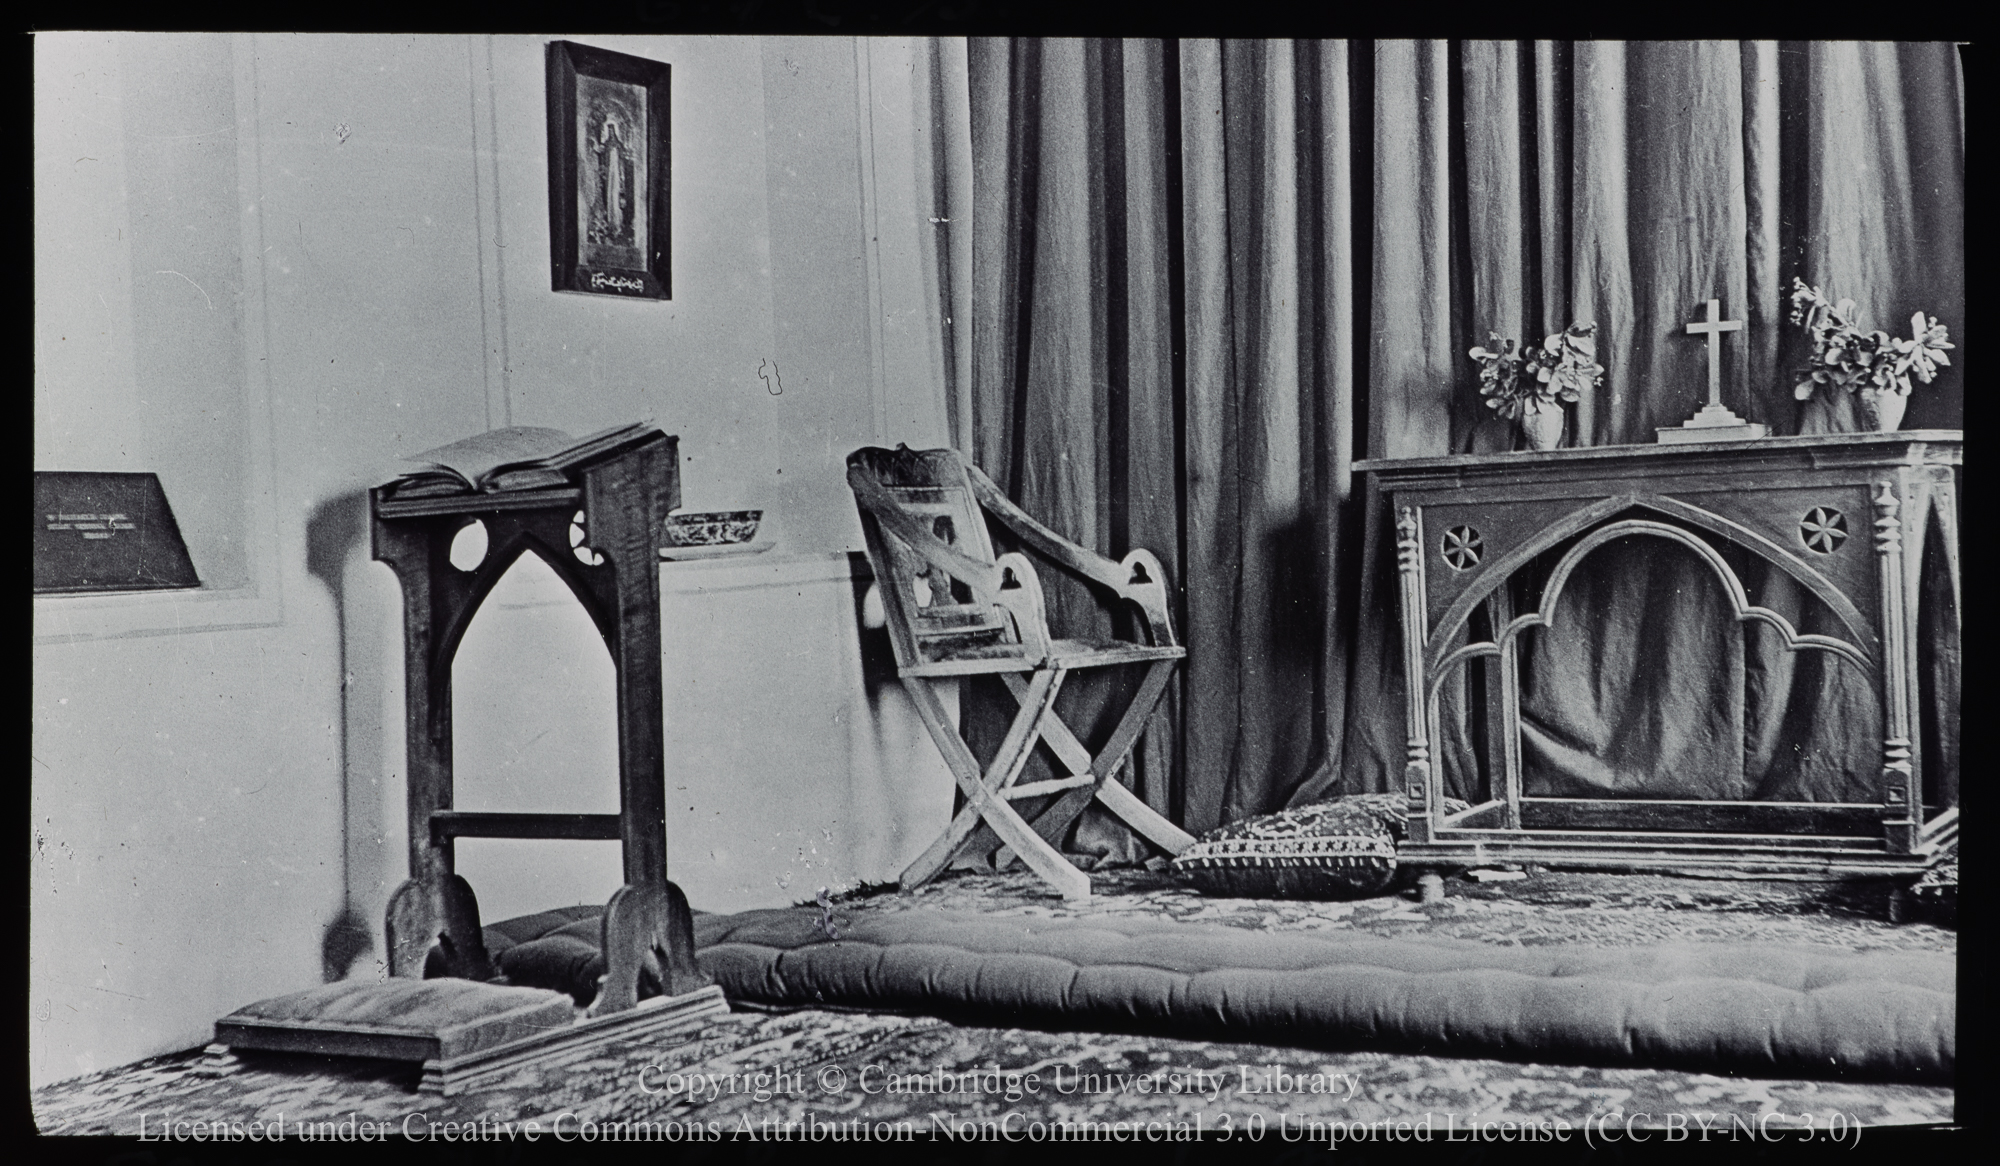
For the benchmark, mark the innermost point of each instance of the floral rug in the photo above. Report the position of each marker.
(860, 1075)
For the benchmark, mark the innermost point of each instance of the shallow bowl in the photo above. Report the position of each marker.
(711, 528)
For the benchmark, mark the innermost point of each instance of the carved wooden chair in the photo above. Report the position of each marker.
(955, 609)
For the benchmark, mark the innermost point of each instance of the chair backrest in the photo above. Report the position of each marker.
(931, 616)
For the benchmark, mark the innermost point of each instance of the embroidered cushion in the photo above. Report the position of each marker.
(1337, 849)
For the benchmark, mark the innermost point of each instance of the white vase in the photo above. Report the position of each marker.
(1542, 424)
(1881, 411)
(1828, 411)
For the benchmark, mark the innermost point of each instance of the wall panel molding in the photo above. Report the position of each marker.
(258, 602)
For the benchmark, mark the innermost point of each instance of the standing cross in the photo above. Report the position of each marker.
(1715, 327)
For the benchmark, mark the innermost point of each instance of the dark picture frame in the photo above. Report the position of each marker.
(610, 219)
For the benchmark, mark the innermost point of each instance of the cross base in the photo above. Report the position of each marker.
(1713, 423)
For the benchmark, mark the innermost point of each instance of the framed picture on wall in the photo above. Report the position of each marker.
(608, 206)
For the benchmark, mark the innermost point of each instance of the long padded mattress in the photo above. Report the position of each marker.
(1756, 1010)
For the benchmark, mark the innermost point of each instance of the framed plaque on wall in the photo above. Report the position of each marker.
(609, 214)
(106, 532)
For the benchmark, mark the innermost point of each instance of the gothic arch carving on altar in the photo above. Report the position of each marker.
(1732, 588)
(1440, 655)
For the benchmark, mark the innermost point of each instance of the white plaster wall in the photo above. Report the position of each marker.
(209, 804)
(787, 770)
(791, 340)
(185, 786)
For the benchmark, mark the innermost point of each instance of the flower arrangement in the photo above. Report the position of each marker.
(1535, 379)
(1845, 356)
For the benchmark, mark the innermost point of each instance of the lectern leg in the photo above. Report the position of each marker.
(448, 917)
(641, 922)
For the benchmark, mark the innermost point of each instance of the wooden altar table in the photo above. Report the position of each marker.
(1863, 522)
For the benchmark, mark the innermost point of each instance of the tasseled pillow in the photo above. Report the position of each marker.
(1343, 848)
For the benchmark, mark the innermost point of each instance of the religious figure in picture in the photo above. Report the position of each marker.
(613, 178)
(611, 218)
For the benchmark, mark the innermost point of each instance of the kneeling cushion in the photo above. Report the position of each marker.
(1720, 1008)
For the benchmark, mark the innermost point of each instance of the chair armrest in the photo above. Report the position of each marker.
(1139, 577)
(1072, 556)
(1146, 586)
(1023, 601)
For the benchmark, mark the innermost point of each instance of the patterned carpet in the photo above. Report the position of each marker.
(754, 1072)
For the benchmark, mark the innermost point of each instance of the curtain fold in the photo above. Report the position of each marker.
(1319, 230)
(942, 122)
(1268, 328)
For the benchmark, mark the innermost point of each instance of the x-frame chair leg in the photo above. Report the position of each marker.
(1053, 820)
(985, 800)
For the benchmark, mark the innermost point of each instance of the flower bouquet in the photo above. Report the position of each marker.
(1530, 385)
(1875, 366)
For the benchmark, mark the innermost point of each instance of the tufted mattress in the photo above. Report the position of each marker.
(1753, 1010)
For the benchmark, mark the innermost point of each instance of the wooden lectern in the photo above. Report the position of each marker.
(601, 536)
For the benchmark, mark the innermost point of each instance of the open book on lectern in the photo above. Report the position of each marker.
(519, 457)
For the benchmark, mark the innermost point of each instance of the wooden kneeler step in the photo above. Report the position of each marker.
(468, 1035)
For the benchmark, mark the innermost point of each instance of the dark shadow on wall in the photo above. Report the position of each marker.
(878, 656)
(336, 530)
(347, 939)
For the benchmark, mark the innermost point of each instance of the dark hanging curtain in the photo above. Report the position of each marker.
(1209, 276)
